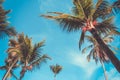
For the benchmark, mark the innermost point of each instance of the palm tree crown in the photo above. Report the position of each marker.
(28, 55)
(56, 69)
(96, 52)
(88, 16)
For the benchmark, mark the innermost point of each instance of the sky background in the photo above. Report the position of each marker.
(61, 46)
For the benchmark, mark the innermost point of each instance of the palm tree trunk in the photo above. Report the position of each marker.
(23, 70)
(14, 76)
(22, 75)
(105, 74)
(105, 48)
(8, 71)
(55, 77)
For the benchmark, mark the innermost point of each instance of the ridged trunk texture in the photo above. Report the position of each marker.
(106, 49)
(10, 68)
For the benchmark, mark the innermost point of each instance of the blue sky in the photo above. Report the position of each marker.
(60, 45)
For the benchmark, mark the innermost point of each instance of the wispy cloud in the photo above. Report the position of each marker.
(81, 61)
(112, 75)
(53, 5)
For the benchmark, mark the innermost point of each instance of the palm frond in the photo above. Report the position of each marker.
(15, 52)
(106, 27)
(36, 63)
(116, 6)
(1, 1)
(81, 39)
(67, 22)
(36, 51)
(22, 73)
(2, 67)
(108, 39)
(71, 24)
(56, 15)
(90, 39)
(20, 38)
(114, 48)
(90, 54)
(14, 75)
(86, 48)
(78, 9)
(38, 46)
(95, 57)
(26, 47)
(83, 8)
(7, 31)
(103, 10)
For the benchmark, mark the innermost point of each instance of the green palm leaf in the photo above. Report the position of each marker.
(5, 29)
(67, 22)
(37, 62)
(81, 39)
(106, 27)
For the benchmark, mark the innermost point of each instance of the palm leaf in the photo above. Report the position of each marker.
(78, 9)
(103, 10)
(2, 67)
(14, 75)
(7, 31)
(95, 57)
(83, 8)
(108, 39)
(86, 48)
(90, 39)
(81, 39)
(36, 63)
(90, 54)
(116, 6)
(1, 1)
(10, 50)
(36, 51)
(67, 22)
(96, 7)
(115, 48)
(106, 27)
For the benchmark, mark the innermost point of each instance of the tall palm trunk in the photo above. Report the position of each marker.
(24, 70)
(105, 48)
(10, 68)
(105, 74)
(22, 75)
(14, 76)
(54, 76)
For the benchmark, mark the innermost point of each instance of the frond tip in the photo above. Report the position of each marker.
(55, 15)
(81, 39)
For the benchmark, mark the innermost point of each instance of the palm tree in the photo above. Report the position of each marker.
(55, 69)
(95, 19)
(30, 56)
(6, 67)
(13, 56)
(96, 52)
(5, 29)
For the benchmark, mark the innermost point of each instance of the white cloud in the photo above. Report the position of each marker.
(81, 61)
(112, 75)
